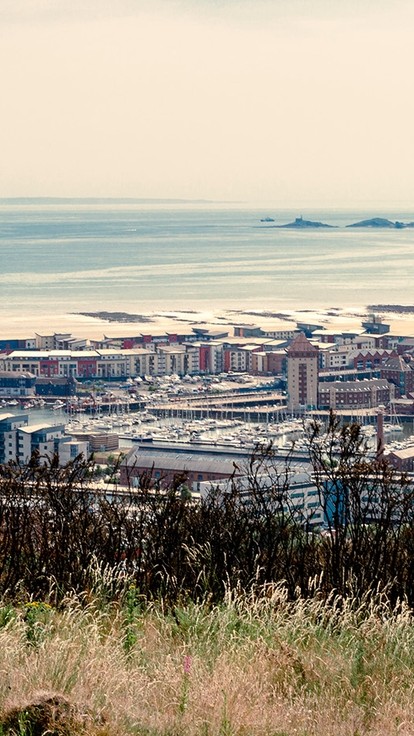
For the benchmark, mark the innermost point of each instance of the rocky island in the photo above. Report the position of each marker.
(374, 222)
(381, 222)
(299, 223)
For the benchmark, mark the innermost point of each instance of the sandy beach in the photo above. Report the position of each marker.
(16, 326)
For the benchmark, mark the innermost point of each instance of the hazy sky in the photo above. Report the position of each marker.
(284, 101)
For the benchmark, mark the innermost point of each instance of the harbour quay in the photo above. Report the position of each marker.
(255, 406)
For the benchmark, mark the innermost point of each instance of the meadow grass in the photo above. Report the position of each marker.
(258, 664)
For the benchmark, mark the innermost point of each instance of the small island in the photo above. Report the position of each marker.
(374, 222)
(299, 223)
(380, 222)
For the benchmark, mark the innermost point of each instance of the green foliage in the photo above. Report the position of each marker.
(7, 614)
(132, 616)
(37, 616)
(225, 724)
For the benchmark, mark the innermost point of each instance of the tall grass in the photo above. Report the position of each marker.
(254, 664)
(159, 645)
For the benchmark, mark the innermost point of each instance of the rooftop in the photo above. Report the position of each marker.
(404, 454)
(179, 462)
(4, 417)
(32, 428)
(301, 344)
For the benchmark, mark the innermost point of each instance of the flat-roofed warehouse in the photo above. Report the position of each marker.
(164, 465)
(203, 463)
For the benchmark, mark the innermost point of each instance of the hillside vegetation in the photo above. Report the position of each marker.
(151, 614)
(257, 664)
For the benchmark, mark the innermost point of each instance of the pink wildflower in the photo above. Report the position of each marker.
(187, 664)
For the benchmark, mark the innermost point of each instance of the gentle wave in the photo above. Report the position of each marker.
(55, 258)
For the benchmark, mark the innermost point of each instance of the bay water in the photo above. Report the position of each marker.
(57, 259)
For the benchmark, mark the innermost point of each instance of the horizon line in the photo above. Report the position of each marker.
(138, 200)
(268, 204)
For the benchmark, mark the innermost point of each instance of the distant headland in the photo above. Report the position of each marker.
(102, 200)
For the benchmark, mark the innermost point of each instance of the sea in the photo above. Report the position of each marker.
(138, 258)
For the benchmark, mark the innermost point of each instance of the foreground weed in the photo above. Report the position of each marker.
(7, 615)
(185, 688)
(37, 618)
(132, 616)
(225, 725)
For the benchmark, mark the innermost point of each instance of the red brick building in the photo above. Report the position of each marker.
(355, 394)
(400, 373)
(371, 359)
(302, 374)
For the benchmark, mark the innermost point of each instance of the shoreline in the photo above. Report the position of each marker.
(94, 325)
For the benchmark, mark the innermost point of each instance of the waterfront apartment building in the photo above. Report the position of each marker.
(400, 372)
(302, 374)
(345, 356)
(104, 363)
(364, 394)
(179, 359)
(9, 424)
(50, 363)
(370, 359)
(77, 364)
(70, 449)
(268, 362)
(239, 358)
(41, 438)
(14, 384)
(348, 356)
(210, 356)
(18, 439)
(6, 345)
(51, 342)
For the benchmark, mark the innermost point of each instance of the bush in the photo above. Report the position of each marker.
(54, 527)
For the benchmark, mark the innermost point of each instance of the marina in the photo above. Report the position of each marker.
(154, 425)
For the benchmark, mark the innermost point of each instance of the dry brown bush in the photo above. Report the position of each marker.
(51, 714)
